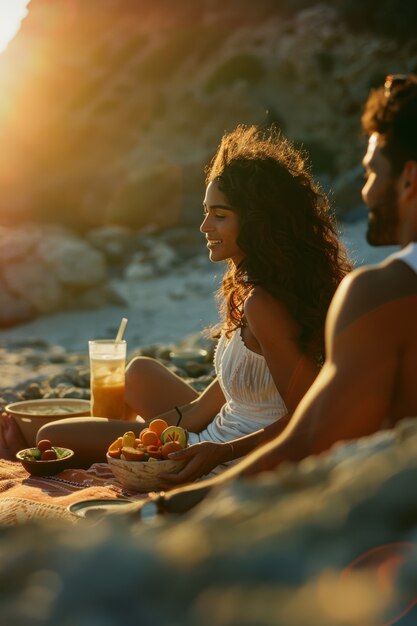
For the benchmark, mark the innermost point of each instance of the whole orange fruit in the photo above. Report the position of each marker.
(158, 425)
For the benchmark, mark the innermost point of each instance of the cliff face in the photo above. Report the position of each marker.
(111, 108)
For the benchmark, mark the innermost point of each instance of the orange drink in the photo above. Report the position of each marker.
(107, 373)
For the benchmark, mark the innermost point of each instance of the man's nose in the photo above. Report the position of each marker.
(364, 194)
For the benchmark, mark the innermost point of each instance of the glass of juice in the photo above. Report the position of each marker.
(107, 372)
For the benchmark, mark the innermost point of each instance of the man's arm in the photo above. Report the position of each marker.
(204, 456)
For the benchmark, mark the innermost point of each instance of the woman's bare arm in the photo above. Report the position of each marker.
(270, 331)
(200, 412)
(275, 335)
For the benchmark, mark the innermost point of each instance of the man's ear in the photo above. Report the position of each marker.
(408, 180)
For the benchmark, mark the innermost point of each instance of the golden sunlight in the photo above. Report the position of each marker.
(11, 14)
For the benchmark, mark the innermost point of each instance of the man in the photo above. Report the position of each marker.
(368, 381)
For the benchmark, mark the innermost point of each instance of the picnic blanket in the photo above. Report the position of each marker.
(24, 497)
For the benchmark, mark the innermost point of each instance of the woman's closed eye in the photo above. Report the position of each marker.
(215, 214)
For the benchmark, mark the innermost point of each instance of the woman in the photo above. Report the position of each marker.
(265, 217)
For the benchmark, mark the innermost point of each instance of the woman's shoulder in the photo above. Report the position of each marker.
(261, 307)
(259, 298)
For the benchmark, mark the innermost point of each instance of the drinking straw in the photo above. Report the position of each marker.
(121, 330)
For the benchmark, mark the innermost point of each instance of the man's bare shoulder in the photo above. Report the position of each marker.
(370, 287)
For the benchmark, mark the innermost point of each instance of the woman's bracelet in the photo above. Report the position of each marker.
(233, 450)
(179, 415)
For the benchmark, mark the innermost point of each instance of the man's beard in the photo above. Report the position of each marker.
(383, 221)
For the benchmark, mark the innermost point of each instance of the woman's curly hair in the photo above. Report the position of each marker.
(286, 232)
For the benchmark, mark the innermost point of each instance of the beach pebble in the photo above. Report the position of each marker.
(32, 392)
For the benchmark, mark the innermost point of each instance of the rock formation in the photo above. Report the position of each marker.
(110, 109)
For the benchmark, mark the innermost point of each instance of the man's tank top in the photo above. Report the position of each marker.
(407, 255)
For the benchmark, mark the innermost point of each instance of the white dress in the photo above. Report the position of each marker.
(252, 399)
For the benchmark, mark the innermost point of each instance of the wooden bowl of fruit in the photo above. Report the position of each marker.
(137, 461)
(45, 459)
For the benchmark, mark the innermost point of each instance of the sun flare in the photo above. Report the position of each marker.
(11, 14)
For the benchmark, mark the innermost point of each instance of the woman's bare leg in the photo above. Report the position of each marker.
(89, 437)
(152, 389)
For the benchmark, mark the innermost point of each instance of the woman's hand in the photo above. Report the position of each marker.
(201, 459)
